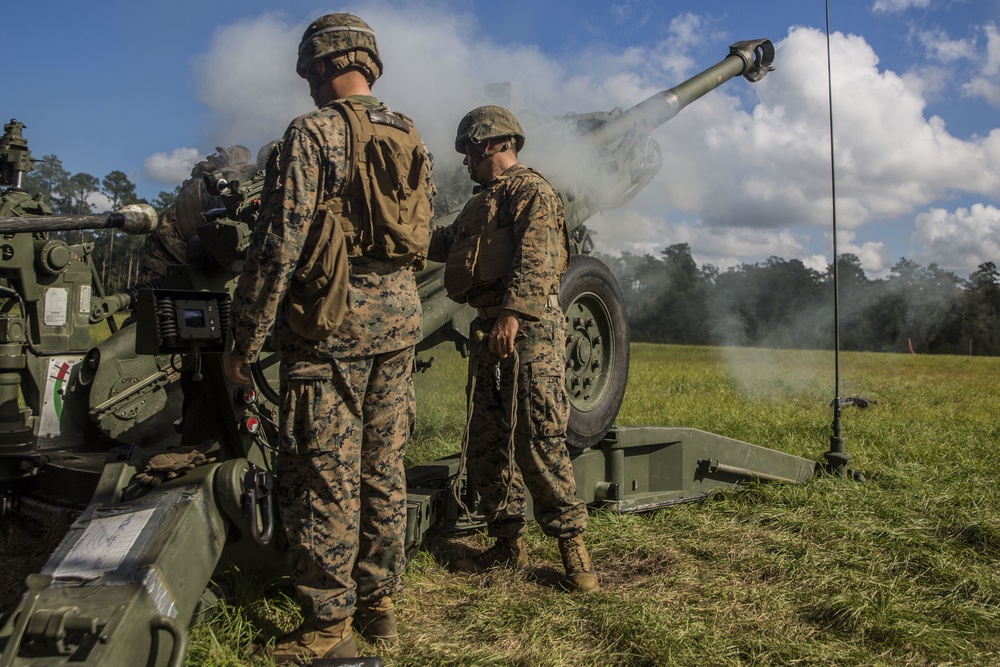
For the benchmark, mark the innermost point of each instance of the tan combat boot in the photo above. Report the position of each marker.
(580, 573)
(503, 553)
(313, 640)
(377, 622)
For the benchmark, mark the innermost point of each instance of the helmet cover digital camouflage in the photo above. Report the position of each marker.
(343, 37)
(488, 122)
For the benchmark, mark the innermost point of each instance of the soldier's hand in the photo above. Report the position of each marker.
(501, 341)
(169, 465)
(233, 367)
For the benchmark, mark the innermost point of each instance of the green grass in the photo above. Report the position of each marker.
(898, 570)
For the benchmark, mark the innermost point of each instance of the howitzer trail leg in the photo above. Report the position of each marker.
(124, 583)
(36, 584)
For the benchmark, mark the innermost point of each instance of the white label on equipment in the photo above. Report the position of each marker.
(103, 546)
(61, 370)
(85, 292)
(56, 299)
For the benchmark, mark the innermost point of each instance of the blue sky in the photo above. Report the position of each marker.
(151, 87)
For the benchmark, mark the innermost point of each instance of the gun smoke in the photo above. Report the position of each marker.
(745, 175)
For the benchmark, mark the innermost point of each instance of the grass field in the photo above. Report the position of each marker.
(898, 570)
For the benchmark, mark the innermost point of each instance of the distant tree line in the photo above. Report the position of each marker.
(116, 255)
(784, 304)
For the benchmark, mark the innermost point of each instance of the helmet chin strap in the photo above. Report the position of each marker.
(472, 160)
(474, 157)
(334, 67)
(315, 82)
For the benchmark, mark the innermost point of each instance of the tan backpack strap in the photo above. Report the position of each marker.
(366, 130)
(390, 222)
(340, 204)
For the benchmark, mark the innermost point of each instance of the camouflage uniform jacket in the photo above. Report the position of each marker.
(523, 198)
(308, 168)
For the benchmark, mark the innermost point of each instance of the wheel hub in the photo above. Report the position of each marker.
(586, 376)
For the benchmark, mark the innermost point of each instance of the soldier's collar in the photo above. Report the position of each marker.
(367, 101)
(507, 173)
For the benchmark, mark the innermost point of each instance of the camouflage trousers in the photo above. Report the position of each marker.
(543, 466)
(341, 484)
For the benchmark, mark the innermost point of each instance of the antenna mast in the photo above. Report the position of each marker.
(837, 457)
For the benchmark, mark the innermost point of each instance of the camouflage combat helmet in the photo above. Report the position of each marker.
(346, 39)
(488, 122)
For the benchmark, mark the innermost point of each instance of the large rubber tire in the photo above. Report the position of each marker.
(597, 349)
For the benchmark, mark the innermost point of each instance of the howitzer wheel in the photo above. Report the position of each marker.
(597, 349)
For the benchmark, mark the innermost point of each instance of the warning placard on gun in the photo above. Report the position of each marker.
(104, 545)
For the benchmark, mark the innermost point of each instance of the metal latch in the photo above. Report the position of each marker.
(258, 504)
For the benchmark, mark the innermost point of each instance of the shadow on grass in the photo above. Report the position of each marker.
(447, 550)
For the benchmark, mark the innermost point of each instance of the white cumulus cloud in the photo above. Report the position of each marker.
(986, 84)
(898, 5)
(172, 167)
(941, 47)
(746, 169)
(961, 239)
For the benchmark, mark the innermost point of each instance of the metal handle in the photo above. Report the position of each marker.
(257, 485)
(179, 633)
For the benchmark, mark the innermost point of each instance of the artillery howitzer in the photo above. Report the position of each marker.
(136, 561)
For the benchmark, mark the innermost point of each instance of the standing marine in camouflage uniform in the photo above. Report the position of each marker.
(347, 358)
(505, 255)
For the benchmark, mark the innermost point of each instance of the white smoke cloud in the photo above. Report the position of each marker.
(247, 80)
(746, 171)
(172, 167)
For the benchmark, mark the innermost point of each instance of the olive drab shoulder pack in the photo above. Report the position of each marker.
(389, 213)
(382, 212)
